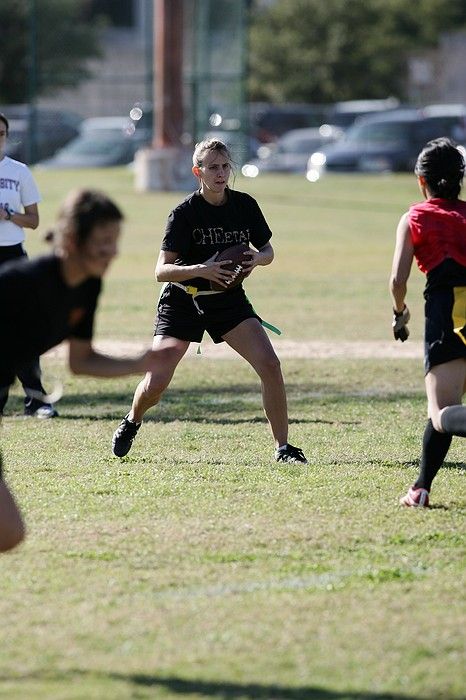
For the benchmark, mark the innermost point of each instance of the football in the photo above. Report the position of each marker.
(235, 254)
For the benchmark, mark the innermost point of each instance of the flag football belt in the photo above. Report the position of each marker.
(194, 292)
(459, 312)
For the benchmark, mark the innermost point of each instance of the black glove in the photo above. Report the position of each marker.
(399, 324)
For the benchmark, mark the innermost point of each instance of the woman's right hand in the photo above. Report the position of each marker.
(214, 272)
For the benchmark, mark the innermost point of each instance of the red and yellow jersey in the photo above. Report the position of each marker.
(438, 232)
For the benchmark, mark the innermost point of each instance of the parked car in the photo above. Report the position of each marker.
(388, 142)
(449, 117)
(269, 121)
(35, 135)
(103, 142)
(291, 151)
(344, 114)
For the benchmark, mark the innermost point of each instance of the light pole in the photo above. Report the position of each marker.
(32, 82)
(168, 72)
(161, 167)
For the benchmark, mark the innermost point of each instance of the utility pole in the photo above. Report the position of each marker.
(32, 83)
(163, 166)
(168, 72)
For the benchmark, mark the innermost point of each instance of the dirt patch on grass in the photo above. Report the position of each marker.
(317, 349)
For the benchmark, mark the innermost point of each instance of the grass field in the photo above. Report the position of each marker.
(197, 567)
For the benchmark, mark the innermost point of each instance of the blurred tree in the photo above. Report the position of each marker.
(61, 40)
(327, 50)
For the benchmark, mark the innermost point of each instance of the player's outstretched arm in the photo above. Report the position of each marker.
(84, 359)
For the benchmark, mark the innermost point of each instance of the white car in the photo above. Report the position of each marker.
(103, 142)
(290, 153)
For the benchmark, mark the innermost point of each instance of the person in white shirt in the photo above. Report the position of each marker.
(19, 198)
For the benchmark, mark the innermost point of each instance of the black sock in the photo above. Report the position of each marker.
(435, 446)
(454, 420)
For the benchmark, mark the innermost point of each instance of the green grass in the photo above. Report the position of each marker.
(197, 567)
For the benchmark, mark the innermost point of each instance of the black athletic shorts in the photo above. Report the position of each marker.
(445, 326)
(11, 252)
(178, 317)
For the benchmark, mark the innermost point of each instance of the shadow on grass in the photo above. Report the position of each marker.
(234, 393)
(460, 466)
(452, 466)
(396, 464)
(217, 689)
(204, 418)
(256, 690)
(226, 404)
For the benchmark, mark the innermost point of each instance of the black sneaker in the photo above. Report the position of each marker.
(123, 437)
(290, 454)
(39, 409)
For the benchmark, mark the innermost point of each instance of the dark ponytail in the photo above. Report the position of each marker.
(442, 165)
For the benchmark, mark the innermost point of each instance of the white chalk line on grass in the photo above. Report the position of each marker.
(299, 349)
(325, 581)
(316, 582)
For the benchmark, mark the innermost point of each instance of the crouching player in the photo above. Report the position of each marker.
(54, 298)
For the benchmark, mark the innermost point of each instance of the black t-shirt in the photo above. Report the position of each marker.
(196, 230)
(38, 310)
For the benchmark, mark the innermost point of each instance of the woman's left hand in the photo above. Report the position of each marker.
(250, 261)
(253, 258)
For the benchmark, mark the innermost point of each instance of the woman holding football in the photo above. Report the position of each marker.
(207, 222)
(434, 232)
(53, 298)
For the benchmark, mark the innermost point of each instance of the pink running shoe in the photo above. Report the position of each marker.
(417, 498)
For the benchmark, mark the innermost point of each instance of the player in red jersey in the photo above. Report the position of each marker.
(434, 233)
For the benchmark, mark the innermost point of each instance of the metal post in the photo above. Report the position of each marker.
(148, 26)
(163, 166)
(32, 83)
(203, 77)
(168, 73)
(244, 115)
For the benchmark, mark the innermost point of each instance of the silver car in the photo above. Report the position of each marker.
(290, 153)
